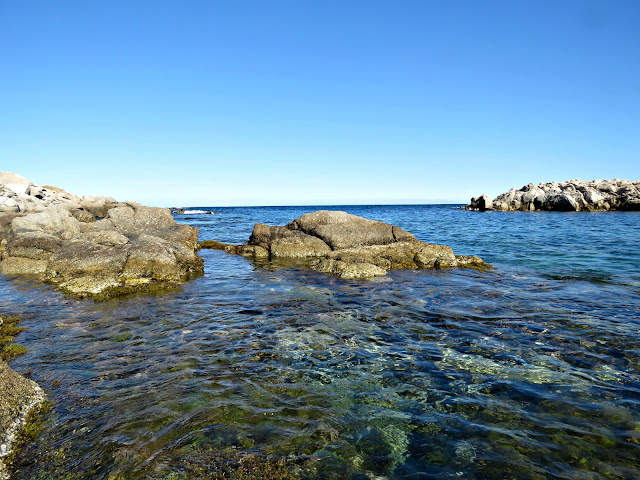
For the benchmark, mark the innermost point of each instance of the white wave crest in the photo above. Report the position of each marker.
(194, 212)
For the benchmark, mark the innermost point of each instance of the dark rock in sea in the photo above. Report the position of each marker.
(132, 249)
(348, 246)
(570, 196)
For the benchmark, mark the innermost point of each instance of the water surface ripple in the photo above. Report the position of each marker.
(529, 372)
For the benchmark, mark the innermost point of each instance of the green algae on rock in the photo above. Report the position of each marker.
(212, 245)
(8, 332)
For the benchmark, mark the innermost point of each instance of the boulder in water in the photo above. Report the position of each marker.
(348, 246)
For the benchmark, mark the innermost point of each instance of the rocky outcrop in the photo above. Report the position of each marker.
(132, 248)
(348, 246)
(570, 196)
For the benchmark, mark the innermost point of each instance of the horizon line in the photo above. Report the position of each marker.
(323, 205)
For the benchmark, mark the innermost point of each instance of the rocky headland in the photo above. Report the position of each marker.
(570, 196)
(347, 246)
(91, 246)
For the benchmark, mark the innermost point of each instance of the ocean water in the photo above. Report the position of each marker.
(531, 371)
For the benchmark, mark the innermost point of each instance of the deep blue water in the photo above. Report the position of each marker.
(531, 371)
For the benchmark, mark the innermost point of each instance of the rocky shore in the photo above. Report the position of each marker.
(348, 246)
(87, 246)
(98, 247)
(91, 246)
(570, 196)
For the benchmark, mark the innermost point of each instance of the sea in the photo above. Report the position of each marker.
(528, 371)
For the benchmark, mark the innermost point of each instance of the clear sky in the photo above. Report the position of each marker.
(269, 102)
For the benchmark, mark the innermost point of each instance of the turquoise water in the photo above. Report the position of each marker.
(528, 372)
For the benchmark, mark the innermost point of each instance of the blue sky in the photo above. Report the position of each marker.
(317, 102)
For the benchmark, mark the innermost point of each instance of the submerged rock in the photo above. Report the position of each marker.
(133, 248)
(570, 196)
(348, 246)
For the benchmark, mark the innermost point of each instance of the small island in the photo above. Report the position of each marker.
(569, 196)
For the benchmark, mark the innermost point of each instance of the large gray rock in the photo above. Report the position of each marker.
(134, 248)
(28, 253)
(133, 217)
(343, 230)
(482, 203)
(570, 196)
(98, 206)
(54, 221)
(348, 246)
(94, 264)
(8, 204)
(282, 242)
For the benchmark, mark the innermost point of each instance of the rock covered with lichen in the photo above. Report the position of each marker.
(93, 246)
(570, 196)
(348, 246)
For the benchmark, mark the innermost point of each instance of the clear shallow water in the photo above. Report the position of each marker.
(532, 371)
